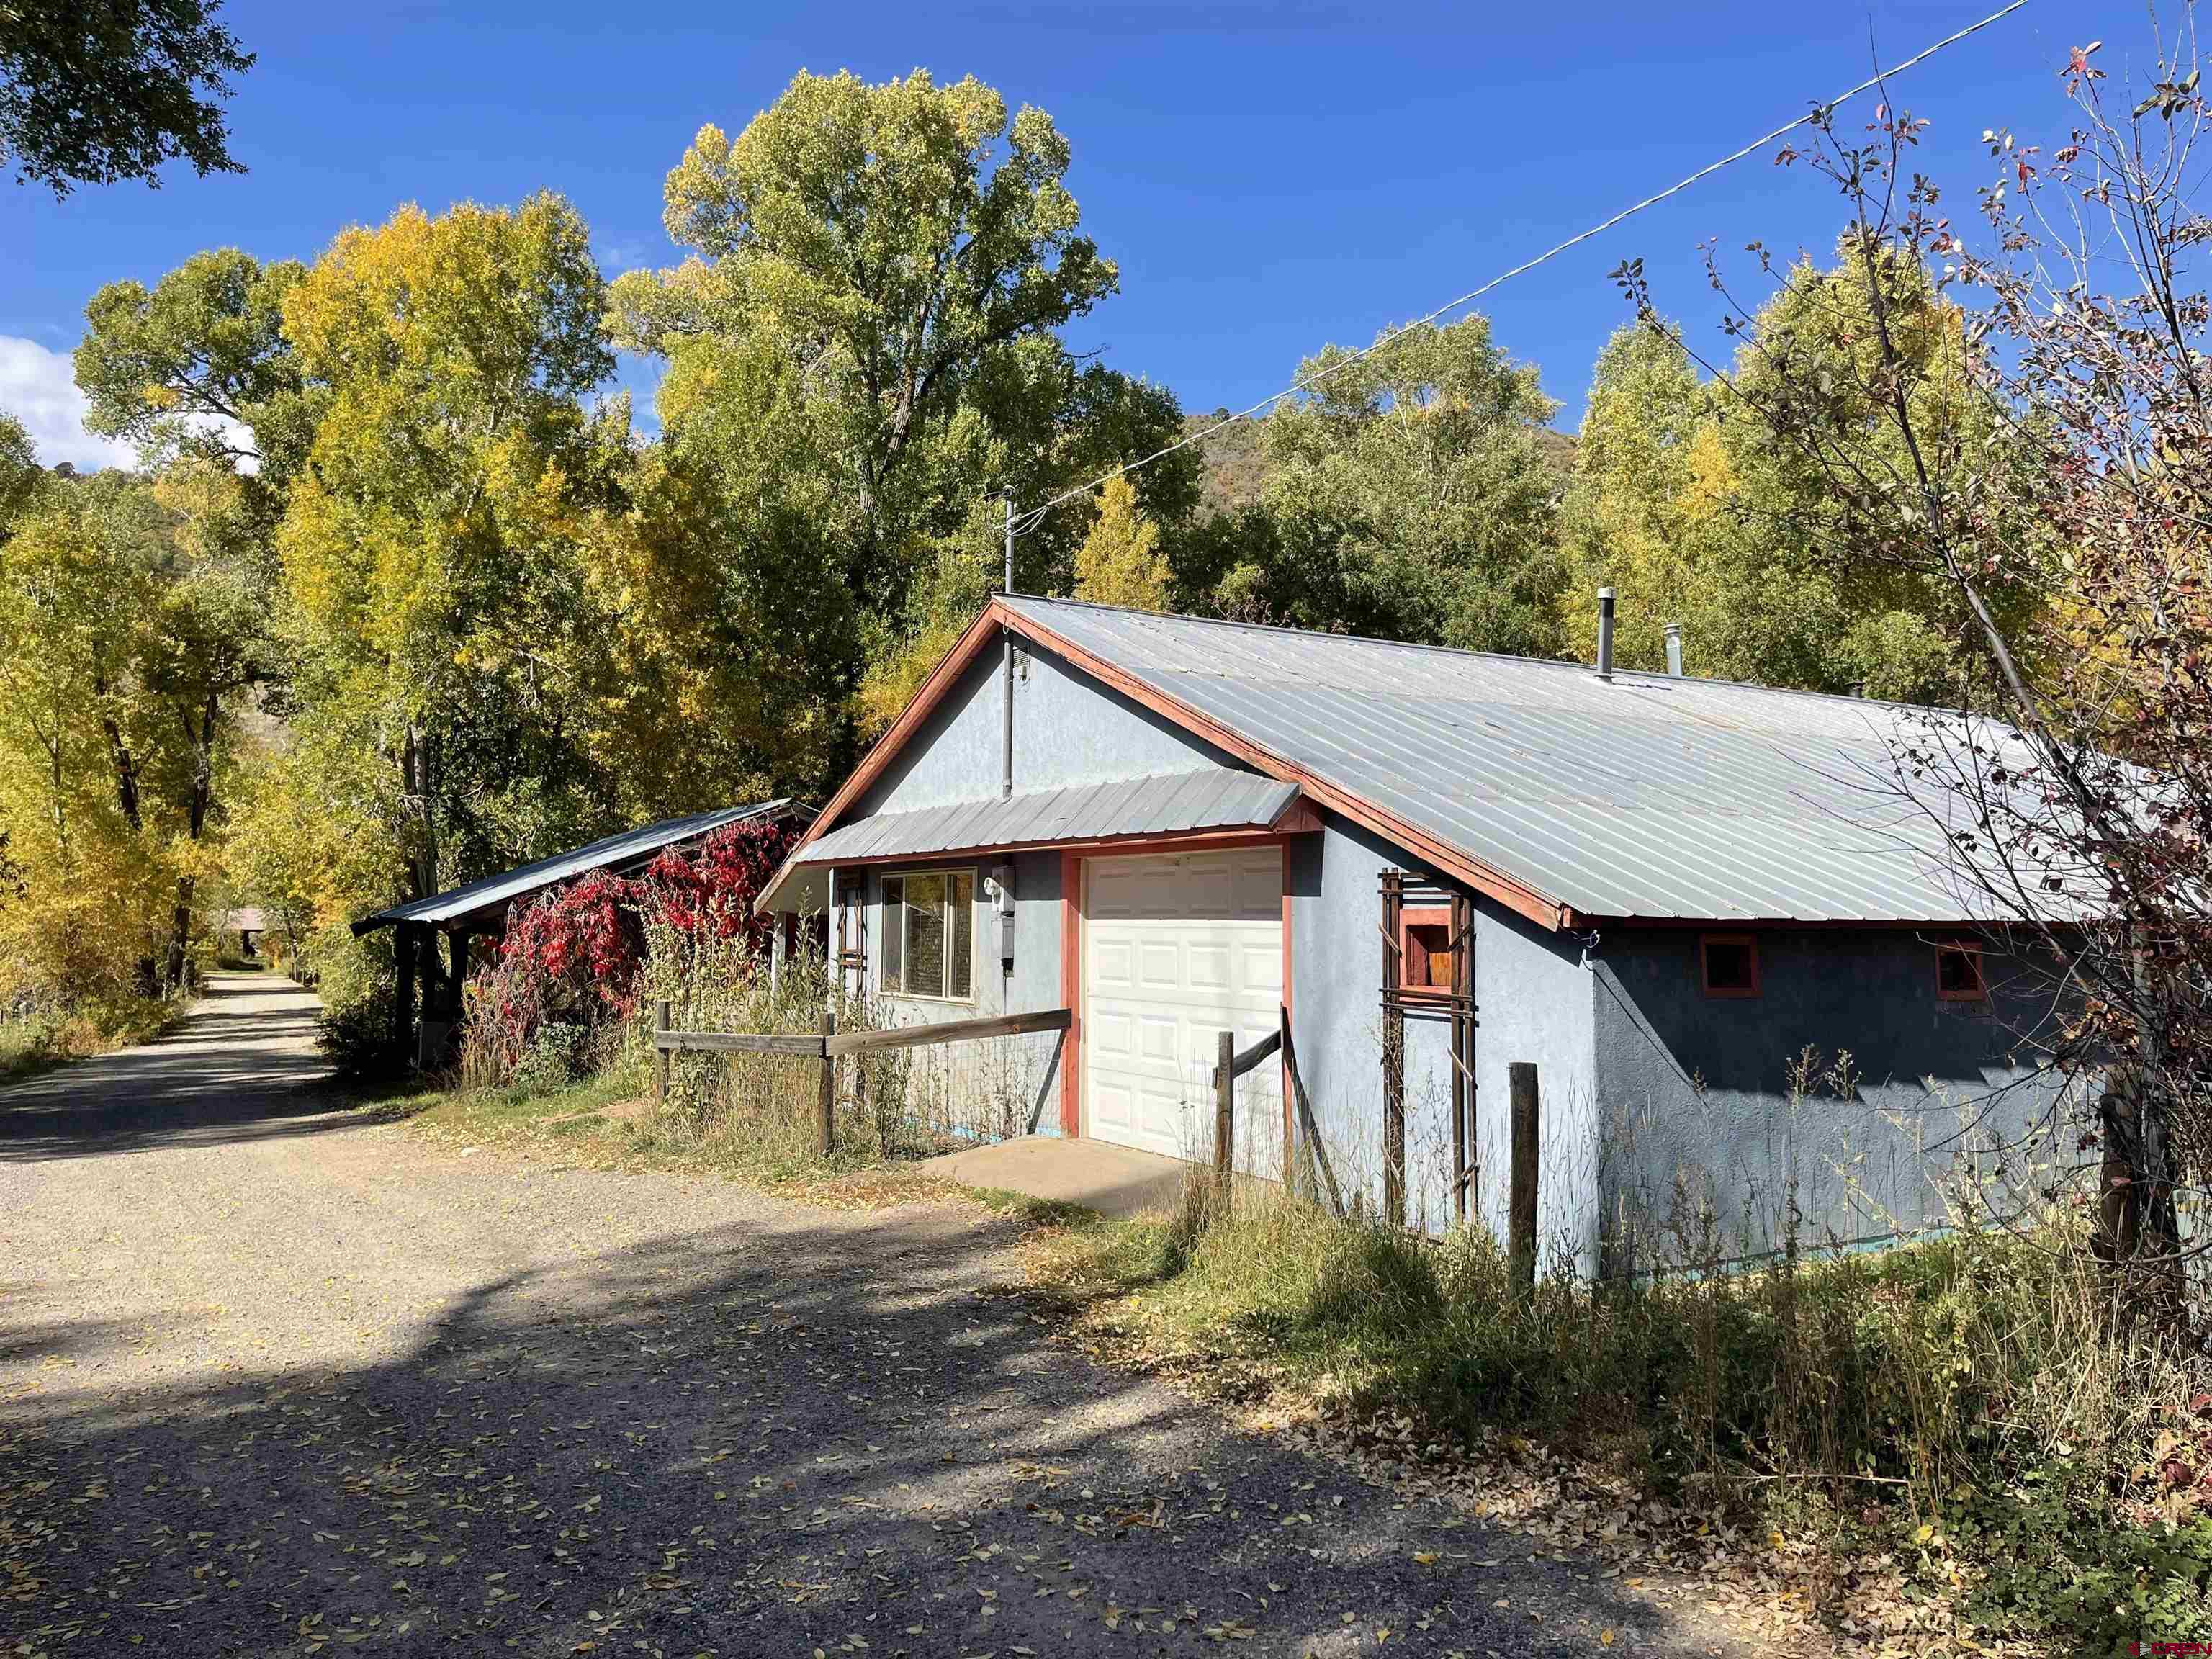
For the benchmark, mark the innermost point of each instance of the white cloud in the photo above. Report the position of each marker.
(39, 388)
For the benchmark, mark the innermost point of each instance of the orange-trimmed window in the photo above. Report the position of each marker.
(1424, 948)
(1728, 965)
(1958, 971)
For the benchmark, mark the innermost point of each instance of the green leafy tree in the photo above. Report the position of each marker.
(1682, 502)
(198, 365)
(20, 472)
(862, 349)
(1407, 494)
(135, 630)
(93, 91)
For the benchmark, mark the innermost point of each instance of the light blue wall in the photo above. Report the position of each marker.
(1533, 1000)
(1697, 1092)
(1068, 730)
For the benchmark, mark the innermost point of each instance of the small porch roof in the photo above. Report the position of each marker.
(1163, 803)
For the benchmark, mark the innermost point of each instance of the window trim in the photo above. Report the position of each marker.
(1421, 915)
(949, 872)
(1972, 951)
(1705, 942)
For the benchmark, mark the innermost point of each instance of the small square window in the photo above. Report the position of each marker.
(1959, 972)
(1729, 963)
(1424, 949)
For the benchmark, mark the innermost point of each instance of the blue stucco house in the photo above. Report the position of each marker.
(1734, 952)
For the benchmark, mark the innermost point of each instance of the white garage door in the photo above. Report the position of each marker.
(1176, 949)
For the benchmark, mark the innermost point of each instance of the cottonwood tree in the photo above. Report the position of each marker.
(448, 641)
(93, 91)
(1687, 509)
(862, 349)
(2073, 343)
(1407, 494)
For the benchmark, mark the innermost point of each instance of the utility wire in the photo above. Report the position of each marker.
(1029, 518)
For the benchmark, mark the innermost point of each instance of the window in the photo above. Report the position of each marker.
(929, 934)
(1729, 964)
(1958, 971)
(1424, 948)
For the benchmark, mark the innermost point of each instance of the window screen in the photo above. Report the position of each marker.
(925, 936)
(894, 935)
(960, 934)
(1958, 972)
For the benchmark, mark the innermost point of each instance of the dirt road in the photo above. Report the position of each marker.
(274, 1380)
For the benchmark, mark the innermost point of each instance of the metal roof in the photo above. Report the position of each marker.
(1212, 797)
(1644, 796)
(490, 895)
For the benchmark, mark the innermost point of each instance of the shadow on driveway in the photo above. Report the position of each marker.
(243, 1064)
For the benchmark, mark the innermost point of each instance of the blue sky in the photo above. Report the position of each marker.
(1269, 177)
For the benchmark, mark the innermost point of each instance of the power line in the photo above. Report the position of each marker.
(1309, 382)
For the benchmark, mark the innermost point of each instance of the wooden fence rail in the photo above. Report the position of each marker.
(826, 1046)
(1228, 1066)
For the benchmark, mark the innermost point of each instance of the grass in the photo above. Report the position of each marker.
(1950, 1409)
(37, 1042)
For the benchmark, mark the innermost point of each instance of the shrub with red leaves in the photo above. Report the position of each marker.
(572, 956)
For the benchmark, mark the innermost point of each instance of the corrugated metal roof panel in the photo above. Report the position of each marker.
(1645, 796)
(1212, 797)
(630, 847)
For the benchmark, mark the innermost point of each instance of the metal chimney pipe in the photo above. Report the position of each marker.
(1675, 649)
(1605, 633)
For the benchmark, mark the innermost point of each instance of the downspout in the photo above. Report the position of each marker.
(1006, 768)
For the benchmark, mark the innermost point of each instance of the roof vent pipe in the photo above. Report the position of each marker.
(1605, 633)
(1675, 649)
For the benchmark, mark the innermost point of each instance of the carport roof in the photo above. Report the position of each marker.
(1571, 799)
(487, 899)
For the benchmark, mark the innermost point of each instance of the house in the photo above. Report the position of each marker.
(479, 909)
(1425, 865)
(246, 926)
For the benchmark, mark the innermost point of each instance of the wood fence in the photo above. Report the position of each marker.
(829, 1044)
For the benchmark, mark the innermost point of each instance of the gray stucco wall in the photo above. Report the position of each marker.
(1697, 1093)
(1534, 1002)
(1068, 730)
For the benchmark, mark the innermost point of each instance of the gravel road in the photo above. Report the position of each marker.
(275, 1380)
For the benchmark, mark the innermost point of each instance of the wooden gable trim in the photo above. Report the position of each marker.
(997, 615)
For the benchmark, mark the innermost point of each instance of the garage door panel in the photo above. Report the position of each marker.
(1176, 949)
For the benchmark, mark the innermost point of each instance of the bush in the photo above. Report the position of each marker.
(357, 1037)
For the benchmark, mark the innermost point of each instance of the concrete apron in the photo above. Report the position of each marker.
(1118, 1182)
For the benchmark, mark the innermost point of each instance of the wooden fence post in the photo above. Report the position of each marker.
(1520, 1203)
(827, 1107)
(659, 1054)
(1224, 1109)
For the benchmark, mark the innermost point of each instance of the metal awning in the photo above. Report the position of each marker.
(1164, 804)
(484, 902)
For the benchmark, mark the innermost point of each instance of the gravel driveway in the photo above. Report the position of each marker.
(275, 1380)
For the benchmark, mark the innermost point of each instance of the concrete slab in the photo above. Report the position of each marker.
(1116, 1181)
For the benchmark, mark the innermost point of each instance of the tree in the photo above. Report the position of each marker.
(1407, 494)
(133, 632)
(434, 541)
(899, 236)
(1689, 512)
(862, 355)
(93, 91)
(1120, 562)
(2084, 762)
(20, 472)
(198, 365)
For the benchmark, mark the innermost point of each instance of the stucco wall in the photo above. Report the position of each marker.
(1067, 730)
(1696, 1090)
(1533, 1000)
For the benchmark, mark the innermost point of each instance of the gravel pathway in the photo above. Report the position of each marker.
(274, 1380)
